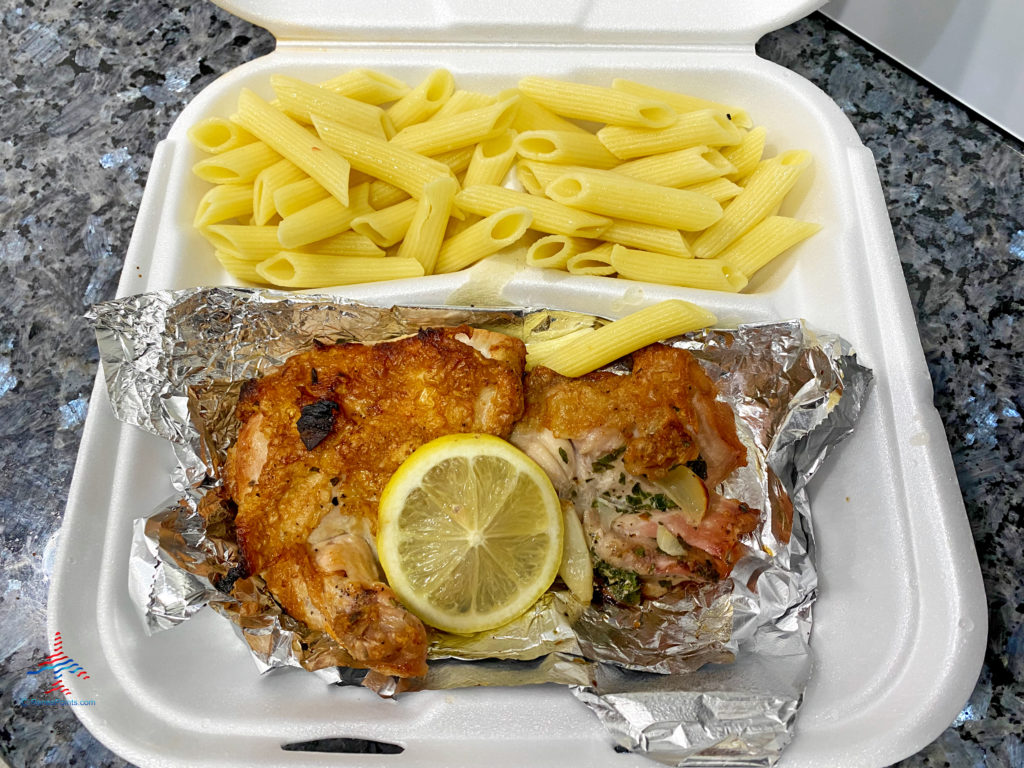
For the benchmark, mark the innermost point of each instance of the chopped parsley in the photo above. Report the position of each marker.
(564, 455)
(619, 584)
(606, 461)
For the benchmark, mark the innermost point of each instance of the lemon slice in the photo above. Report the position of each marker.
(470, 532)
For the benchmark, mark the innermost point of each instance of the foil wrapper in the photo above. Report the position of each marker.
(713, 677)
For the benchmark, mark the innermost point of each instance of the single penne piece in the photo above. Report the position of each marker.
(292, 198)
(223, 202)
(323, 219)
(548, 216)
(705, 127)
(385, 161)
(680, 168)
(218, 134)
(682, 102)
(720, 190)
(292, 269)
(764, 241)
(457, 160)
(553, 251)
(491, 160)
(367, 86)
(582, 354)
(301, 100)
(596, 262)
(535, 175)
(388, 225)
(708, 274)
(236, 166)
(647, 237)
(487, 236)
(250, 243)
(270, 180)
(463, 101)
(566, 148)
(598, 104)
(761, 196)
(426, 230)
(533, 117)
(423, 100)
(238, 267)
(459, 130)
(292, 141)
(611, 194)
(345, 244)
(746, 155)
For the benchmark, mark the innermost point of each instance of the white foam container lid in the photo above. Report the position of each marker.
(900, 624)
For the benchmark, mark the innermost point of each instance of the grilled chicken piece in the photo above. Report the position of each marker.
(319, 439)
(603, 439)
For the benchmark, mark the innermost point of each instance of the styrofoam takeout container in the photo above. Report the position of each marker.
(900, 624)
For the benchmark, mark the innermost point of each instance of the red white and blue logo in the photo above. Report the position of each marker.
(61, 666)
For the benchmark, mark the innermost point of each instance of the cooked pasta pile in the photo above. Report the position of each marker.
(364, 178)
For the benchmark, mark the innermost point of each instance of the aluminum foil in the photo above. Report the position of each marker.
(711, 678)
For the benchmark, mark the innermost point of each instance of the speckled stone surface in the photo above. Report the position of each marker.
(89, 89)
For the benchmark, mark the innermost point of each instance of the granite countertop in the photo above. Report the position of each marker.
(89, 90)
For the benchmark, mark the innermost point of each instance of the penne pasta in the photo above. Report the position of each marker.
(720, 190)
(301, 100)
(268, 182)
(566, 148)
(491, 160)
(291, 269)
(346, 244)
(423, 100)
(292, 141)
(764, 241)
(385, 161)
(426, 230)
(323, 219)
(746, 155)
(223, 202)
(362, 162)
(236, 166)
(611, 194)
(553, 251)
(218, 134)
(647, 237)
(548, 216)
(706, 127)
(236, 266)
(681, 102)
(249, 243)
(708, 274)
(367, 86)
(597, 261)
(292, 198)
(680, 168)
(487, 236)
(535, 175)
(533, 117)
(388, 225)
(463, 101)
(586, 352)
(760, 197)
(592, 102)
(459, 130)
